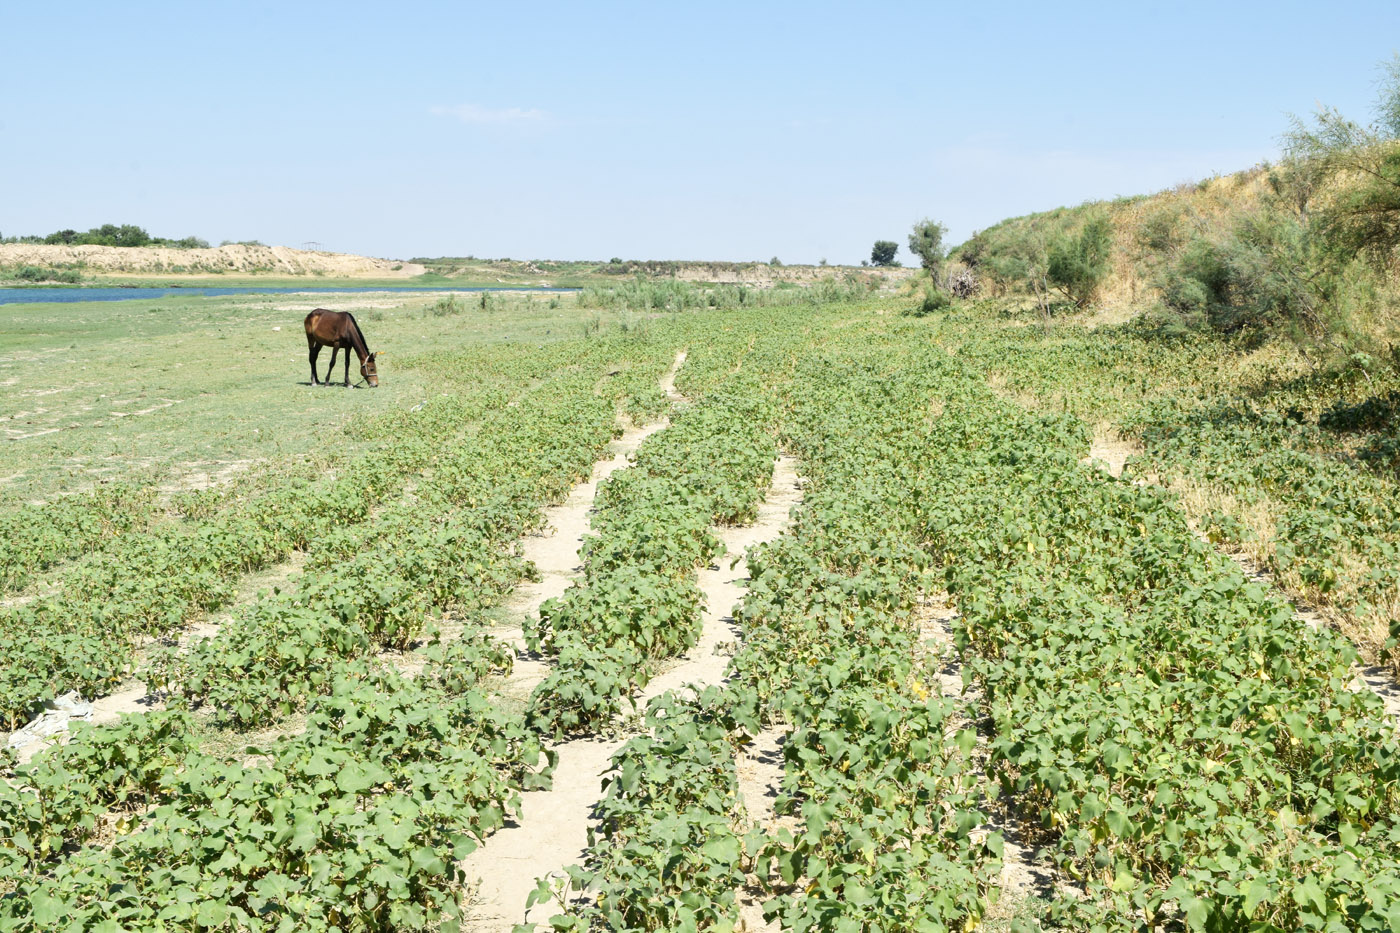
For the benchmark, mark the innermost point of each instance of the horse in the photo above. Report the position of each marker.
(339, 331)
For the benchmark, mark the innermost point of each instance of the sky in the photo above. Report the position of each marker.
(723, 131)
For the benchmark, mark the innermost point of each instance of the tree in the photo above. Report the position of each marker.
(1362, 217)
(1077, 265)
(882, 253)
(926, 242)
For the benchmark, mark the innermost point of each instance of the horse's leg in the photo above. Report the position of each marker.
(330, 367)
(347, 367)
(314, 350)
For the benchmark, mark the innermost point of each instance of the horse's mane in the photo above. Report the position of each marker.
(359, 334)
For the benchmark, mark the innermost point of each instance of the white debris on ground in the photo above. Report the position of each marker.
(57, 714)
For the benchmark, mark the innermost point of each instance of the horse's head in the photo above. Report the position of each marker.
(368, 371)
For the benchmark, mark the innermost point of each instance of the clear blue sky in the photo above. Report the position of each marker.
(647, 130)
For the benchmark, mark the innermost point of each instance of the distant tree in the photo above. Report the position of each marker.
(822, 261)
(775, 261)
(882, 253)
(62, 236)
(926, 242)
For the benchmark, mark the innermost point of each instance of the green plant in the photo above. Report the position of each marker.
(926, 242)
(882, 253)
(1078, 265)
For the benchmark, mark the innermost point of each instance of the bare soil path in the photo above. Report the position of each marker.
(553, 830)
(555, 551)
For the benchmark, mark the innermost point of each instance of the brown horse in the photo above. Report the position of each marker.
(339, 331)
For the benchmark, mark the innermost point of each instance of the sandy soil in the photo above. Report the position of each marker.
(272, 260)
(1111, 451)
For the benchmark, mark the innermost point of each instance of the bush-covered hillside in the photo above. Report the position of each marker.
(1307, 247)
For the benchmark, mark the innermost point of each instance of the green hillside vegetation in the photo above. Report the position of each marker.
(1306, 247)
(1237, 341)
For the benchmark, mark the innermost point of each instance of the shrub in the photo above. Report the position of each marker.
(934, 300)
(1160, 231)
(1261, 272)
(1078, 265)
(447, 305)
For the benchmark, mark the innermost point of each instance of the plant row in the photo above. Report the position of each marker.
(1189, 752)
(637, 601)
(85, 633)
(354, 824)
(878, 779)
(452, 546)
(35, 537)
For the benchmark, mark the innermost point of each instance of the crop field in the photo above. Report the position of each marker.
(858, 635)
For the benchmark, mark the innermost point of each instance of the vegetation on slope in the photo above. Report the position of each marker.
(1306, 247)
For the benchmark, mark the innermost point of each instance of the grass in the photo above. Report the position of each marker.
(185, 390)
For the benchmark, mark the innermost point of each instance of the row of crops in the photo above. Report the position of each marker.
(1271, 463)
(1184, 752)
(85, 628)
(354, 818)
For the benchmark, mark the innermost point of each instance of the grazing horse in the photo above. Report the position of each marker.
(339, 331)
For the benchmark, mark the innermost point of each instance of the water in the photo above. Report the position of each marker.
(9, 296)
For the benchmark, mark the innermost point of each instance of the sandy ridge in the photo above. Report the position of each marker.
(272, 260)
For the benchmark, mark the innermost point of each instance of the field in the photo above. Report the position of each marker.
(826, 617)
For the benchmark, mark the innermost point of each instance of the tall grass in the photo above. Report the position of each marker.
(642, 294)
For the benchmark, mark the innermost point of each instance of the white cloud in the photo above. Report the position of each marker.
(492, 116)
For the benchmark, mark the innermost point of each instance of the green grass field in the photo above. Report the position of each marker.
(185, 389)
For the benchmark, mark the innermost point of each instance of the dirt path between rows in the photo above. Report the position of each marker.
(554, 551)
(553, 830)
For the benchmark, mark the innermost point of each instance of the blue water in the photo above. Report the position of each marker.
(9, 296)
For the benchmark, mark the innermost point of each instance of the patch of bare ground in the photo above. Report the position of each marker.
(1111, 450)
(759, 765)
(553, 829)
(273, 260)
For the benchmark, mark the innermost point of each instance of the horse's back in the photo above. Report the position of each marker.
(322, 323)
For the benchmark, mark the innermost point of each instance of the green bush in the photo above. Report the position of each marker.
(934, 300)
(1078, 265)
(41, 274)
(1261, 273)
